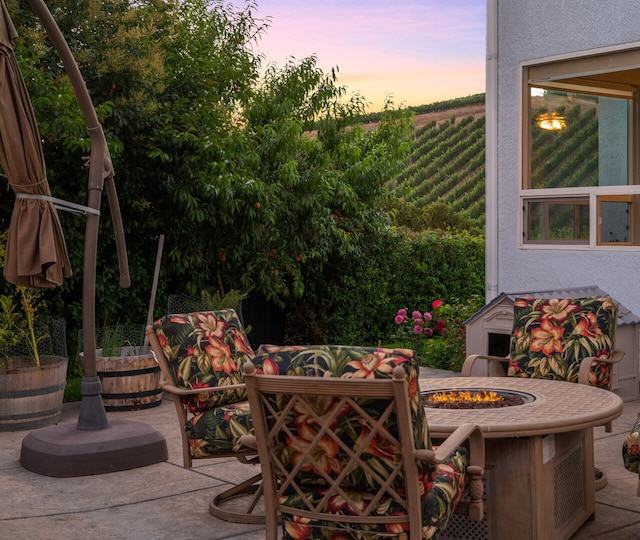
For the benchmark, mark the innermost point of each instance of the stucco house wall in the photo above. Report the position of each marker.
(525, 31)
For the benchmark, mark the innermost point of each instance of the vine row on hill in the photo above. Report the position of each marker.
(447, 161)
(446, 165)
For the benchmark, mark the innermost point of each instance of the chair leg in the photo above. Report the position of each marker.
(256, 498)
(476, 493)
(601, 479)
(252, 486)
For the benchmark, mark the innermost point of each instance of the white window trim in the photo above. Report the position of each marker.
(558, 193)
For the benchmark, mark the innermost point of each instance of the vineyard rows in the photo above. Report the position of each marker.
(447, 165)
(447, 161)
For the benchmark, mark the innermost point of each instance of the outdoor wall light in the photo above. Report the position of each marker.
(551, 121)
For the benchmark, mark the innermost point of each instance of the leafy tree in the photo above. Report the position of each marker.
(207, 150)
(320, 192)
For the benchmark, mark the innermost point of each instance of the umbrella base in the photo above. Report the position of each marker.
(64, 451)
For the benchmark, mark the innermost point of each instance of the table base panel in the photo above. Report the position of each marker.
(540, 486)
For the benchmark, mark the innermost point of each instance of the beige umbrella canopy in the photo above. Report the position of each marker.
(36, 253)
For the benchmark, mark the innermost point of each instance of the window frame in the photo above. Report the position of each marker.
(548, 201)
(563, 73)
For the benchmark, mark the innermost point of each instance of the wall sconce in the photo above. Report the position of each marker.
(551, 121)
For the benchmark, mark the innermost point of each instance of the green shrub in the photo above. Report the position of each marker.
(72, 392)
(356, 298)
(432, 216)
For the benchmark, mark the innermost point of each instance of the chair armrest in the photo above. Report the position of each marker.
(172, 389)
(495, 364)
(454, 441)
(475, 470)
(585, 364)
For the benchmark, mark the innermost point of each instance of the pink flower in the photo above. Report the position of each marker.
(425, 325)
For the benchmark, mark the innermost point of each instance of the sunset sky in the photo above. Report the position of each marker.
(416, 51)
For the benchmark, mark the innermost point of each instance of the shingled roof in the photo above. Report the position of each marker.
(625, 316)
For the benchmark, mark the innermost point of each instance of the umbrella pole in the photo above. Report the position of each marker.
(92, 413)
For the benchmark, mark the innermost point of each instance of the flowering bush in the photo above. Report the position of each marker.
(439, 335)
(421, 325)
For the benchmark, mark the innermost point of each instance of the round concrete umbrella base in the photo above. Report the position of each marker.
(65, 451)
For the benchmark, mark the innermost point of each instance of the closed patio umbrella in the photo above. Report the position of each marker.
(36, 252)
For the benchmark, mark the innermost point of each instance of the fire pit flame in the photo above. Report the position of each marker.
(476, 396)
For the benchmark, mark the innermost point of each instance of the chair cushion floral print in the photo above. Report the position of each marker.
(218, 430)
(207, 349)
(631, 450)
(441, 486)
(551, 336)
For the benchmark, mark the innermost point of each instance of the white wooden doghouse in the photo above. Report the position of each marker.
(489, 332)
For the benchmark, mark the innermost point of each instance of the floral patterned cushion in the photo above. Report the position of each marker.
(631, 450)
(442, 485)
(205, 349)
(437, 506)
(552, 335)
(344, 361)
(216, 431)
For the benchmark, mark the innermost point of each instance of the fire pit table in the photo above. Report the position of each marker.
(539, 478)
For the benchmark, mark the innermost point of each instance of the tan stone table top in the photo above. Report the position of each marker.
(558, 407)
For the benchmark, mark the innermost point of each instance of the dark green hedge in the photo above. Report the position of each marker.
(357, 297)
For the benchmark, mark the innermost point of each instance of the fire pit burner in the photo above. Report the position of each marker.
(474, 398)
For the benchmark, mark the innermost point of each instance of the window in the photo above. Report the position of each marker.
(615, 225)
(561, 220)
(581, 181)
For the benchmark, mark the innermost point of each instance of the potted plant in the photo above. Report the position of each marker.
(31, 383)
(129, 374)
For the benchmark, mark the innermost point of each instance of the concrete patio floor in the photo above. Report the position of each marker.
(167, 501)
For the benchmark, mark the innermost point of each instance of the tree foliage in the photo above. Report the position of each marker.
(256, 175)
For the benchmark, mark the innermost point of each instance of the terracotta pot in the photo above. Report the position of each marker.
(31, 397)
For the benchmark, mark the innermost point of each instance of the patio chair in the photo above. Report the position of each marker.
(564, 339)
(200, 355)
(631, 452)
(344, 446)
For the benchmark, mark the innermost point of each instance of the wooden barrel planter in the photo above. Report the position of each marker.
(31, 397)
(129, 382)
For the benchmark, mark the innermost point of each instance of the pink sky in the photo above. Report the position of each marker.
(417, 51)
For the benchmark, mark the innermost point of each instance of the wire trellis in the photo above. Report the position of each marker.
(186, 303)
(116, 336)
(51, 336)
